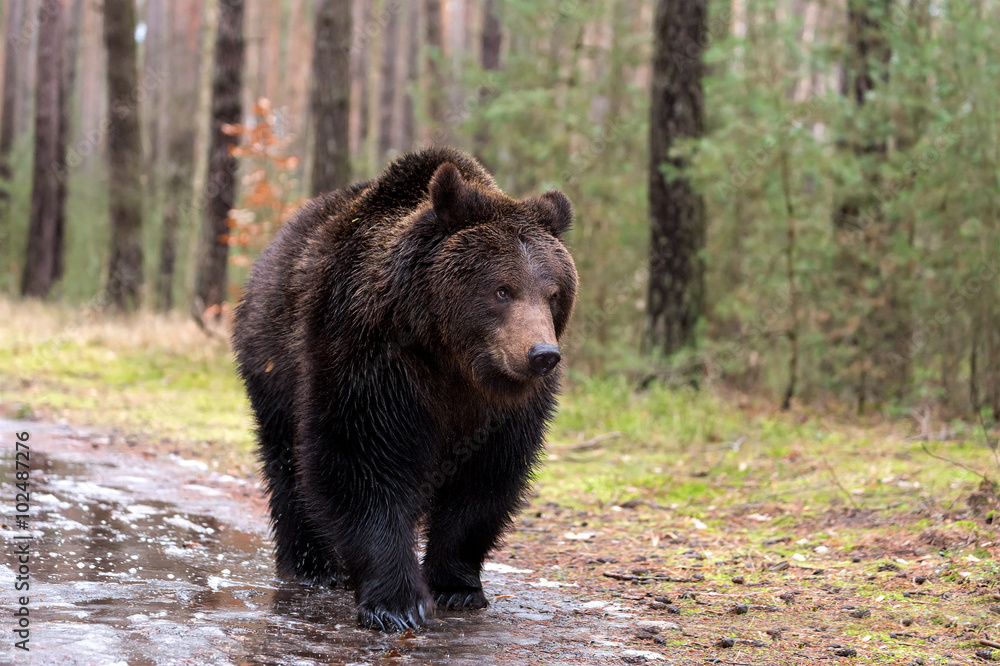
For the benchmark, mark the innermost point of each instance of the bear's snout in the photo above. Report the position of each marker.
(542, 358)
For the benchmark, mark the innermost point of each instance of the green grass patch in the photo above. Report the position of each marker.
(696, 451)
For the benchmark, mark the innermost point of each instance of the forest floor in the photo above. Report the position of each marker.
(689, 528)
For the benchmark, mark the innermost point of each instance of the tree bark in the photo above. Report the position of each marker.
(434, 50)
(220, 184)
(67, 92)
(489, 60)
(676, 268)
(881, 342)
(28, 43)
(387, 82)
(40, 260)
(410, 79)
(331, 96)
(12, 52)
(124, 288)
(183, 61)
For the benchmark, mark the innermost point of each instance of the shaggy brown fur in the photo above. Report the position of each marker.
(399, 343)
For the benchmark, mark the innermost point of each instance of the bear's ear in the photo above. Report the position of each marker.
(451, 197)
(557, 212)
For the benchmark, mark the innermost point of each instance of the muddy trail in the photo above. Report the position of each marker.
(144, 559)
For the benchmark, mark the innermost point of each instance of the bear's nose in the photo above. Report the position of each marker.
(542, 358)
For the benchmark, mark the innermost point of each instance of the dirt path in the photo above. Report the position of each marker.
(138, 558)
(141, 557)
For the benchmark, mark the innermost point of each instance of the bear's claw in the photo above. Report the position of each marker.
(388, 621)
(463, 600)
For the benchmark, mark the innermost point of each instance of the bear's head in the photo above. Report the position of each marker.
(503, 283)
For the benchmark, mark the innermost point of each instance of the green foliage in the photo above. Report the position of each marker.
(921, 254)
(563, 114)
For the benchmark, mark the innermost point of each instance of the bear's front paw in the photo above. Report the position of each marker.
(390, 618)
(463, 598)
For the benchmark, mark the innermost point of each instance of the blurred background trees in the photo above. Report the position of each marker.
(792, 198)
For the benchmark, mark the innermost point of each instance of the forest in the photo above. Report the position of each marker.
(777, 435)
(804, 207)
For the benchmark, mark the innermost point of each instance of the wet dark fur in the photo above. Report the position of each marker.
(362, 341)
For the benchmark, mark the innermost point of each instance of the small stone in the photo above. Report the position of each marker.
(985, 655)
(725, 643)
(689, 595)
(920, 579)
(659, 640)
(657, 605)
(739, 580)
(846, 652)
(739, 609)
(860, 613)
(673, 610)
(907, 621)
(663, 600)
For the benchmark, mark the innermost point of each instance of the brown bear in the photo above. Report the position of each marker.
(399, 344)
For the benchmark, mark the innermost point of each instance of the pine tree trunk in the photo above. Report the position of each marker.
(330, 97)
(40, 267)
(676, 269)
(220, 185)
(882, 339)
(411, 80)
(124, 289)
(387, 84)
(434, 85)
(489, 60)
(28, 44)
(12, 53)
(183, 58)
(67, 93)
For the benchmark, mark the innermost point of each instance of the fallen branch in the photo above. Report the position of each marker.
(648, 579)
(594, 442)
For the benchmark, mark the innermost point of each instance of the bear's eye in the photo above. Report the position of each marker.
(503, 294)
(553, 299)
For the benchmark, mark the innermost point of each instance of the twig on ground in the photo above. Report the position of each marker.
(594, 442)
(988, 643)
(923, 445)
(836, 480)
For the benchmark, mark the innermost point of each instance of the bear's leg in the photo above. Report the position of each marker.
(471, 510)
(369, 519)
(298, 552)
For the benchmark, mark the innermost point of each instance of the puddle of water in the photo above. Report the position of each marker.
(128, 569)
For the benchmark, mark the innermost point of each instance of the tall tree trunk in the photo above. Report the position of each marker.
(676, 269)
(296, 92)
(124, 288)
(183, 58)
(39, 266)
(220, 184)
(12, 53)
(67, 93)
(221, 179)
(881, 340)
(331, 96)
(411, 80)
(358, 122)
(387, 83)
(489, 60)
(8, 109)
(28, 43)
(154, 55)
(434, 85)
